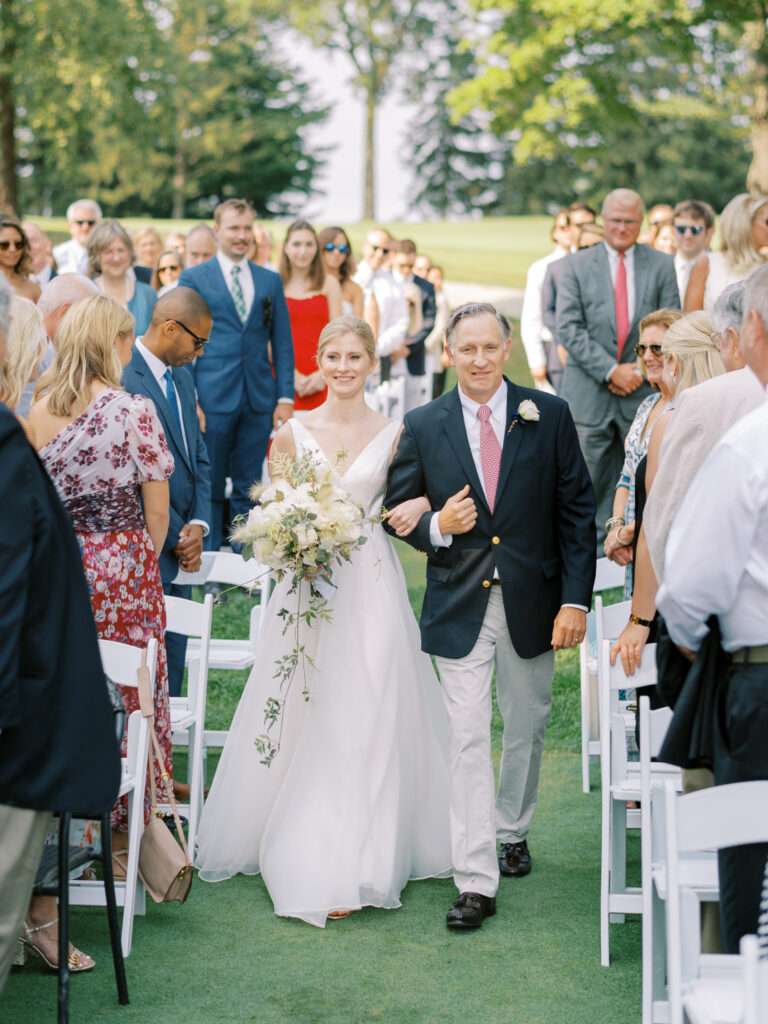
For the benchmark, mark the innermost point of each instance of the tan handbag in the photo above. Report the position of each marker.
(164, 864)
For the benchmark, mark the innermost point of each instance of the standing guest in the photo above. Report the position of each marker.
(418, 390)
(657, 215)
(245, 379)
(336, 251)
(435, 341)
(604, 293)
(147, 244)
(743, 237)
(694, 223)
(263, 247)
(168, 271)
(313, 298)
(664, 238)
(28, 354)
(110, 259)
(579, 215)
(59, 295)
(620, 534)
(177, 240)
(181, 323)
(107, 455)
(43, 269)
(201, 246)
(388, 309)
(715, 564)
(422, 266)
(533, 331)
(82, 217)
(57, 745)
(16, 260)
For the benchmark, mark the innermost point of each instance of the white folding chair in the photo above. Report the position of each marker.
(191, 619)
(704, 988)
(608, 575)
(755, 981)
(121, 663)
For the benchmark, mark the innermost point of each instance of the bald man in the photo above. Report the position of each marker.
(59, 295)
(603, 294)
(178, 332)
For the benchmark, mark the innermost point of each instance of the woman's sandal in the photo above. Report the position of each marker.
(120, 865)
(77, 960)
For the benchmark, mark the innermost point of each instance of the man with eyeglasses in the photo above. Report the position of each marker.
(72, 256)
(603, 294)
(181, 324)
(694, 223)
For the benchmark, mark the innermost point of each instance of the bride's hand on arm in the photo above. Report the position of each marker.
(404, 518)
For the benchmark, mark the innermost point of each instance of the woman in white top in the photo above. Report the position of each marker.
(743, 247)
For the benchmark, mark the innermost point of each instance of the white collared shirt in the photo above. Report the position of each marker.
(683, 268)
(716, 559)
(532, 329)
(629, 263)
(393, 315)
(71, 258)
(246, 278)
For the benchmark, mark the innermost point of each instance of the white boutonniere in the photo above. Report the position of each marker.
(527, 412)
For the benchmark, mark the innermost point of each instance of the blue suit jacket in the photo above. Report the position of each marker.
(237, 363)
(190, 482)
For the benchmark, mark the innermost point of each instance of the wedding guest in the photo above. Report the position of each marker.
(181, 323)
(72, 257)
(168, 271)
(421, 295)
(386, 307)
(147, 245)
(16, 260)
(664, 238)
(534, 333)
(110, 258)
(588, 235)
(743, 234)
(107, 455)
(580, 215)
(177, 240)
(264, 245)
(422, 266)
(43, 268)
(336, 251)
(59, 295)
(694, 222)
(715, 564)
(201, 246)
(620, 528)
(313, 298)
(28, 354)
(658, 214)
(691, 356)
(436, 360)
(57, 746)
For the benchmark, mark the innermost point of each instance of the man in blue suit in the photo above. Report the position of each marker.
(245, 378)
(181, 323)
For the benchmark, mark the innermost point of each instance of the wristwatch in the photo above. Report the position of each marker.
(637, 621)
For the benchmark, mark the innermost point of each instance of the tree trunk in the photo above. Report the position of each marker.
(8, 180)
(369, 180)
(757, 176)
(179, 182)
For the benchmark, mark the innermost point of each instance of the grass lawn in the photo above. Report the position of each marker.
(494, 251)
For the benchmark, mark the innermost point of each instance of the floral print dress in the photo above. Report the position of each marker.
(635, 450)
(98, 463)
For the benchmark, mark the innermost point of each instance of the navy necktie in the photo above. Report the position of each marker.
(170, 394)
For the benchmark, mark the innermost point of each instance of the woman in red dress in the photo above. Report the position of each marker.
(314, 298)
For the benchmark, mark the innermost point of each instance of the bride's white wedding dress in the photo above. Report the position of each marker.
(356, 802)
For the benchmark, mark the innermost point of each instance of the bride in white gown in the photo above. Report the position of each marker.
(356, 801)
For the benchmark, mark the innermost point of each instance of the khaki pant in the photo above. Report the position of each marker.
(22, 834)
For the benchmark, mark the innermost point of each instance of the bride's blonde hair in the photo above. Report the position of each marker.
(85, 352)
(347, 324)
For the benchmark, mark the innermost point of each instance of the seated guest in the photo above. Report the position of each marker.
(107, 455)
(694, 222)
(16, 259)
(620, 529)
(72, 257)
(168, 271)
(147, 245)
(336, 251)
(28, 354)
(59, 295)
(57, 742)
(201, 246)
(110, 259)
(43, 267)
(743, 239)
(181, 323)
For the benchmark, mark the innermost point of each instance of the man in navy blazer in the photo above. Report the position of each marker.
(245, 378)
(181, 323)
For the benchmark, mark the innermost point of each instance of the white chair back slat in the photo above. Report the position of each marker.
(610, 619)
(608, 575)
(732, 815)
(121, 662)
(755, 973)
(197, 579)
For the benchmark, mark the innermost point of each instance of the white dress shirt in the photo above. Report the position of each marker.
(629, 263)
(683, 268)
(246, 278)
(71, 258)
(532, 329)
(44, 277)
(717, 555)
(393, 316)
(157, 368)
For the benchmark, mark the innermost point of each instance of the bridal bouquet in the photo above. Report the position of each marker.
(302, 526)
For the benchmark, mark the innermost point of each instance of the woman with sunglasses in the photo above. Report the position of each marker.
(313, 298)
(167, 273)
(16, 259)
(620, 529)
(339, 263)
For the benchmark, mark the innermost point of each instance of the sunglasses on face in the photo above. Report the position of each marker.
(85, 223)
(382, 248)
(684, 229)
(170, 266)
(200, 343)
(330, 246)
(641, 349)
(16, 246)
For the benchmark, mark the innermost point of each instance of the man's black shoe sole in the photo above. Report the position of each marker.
(514, 874)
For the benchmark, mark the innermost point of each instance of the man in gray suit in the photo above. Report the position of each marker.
(603, 294)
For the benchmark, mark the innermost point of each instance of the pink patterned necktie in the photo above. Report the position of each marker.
(490, 454)
(621, 295)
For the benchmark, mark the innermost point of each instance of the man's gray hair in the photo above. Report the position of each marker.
(64, 290)
(205, 228)
(84, 202)
(756, 293)
(728, 311)
(473, 309)
(6, 294)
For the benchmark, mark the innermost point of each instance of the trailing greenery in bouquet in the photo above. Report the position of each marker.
(302, 526)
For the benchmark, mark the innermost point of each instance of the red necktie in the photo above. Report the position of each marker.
(621, 297)
(490, 454)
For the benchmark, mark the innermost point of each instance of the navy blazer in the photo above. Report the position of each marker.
(252, 360)
(417, 356)
(190, 483)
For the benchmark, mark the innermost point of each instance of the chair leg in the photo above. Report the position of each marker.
(114, 927)
(618, 852)
(63, 982)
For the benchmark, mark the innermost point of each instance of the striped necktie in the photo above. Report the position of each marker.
(237, 292)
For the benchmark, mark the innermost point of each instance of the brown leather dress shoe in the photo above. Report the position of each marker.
(515, 859)
(470, 910)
